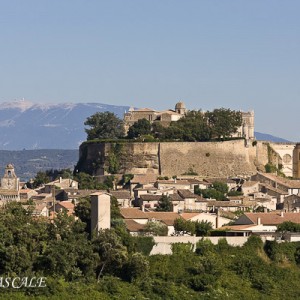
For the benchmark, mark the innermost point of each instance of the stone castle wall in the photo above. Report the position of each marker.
(207, 159)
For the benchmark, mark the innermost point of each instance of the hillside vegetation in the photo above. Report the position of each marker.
(114, 265)
(28, 163)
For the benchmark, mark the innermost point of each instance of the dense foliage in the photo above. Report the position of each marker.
(193, 126)
(115, 265)
(104, 125)
(218, 191)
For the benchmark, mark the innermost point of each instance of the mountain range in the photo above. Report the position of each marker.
(27, 125)
(30, 126)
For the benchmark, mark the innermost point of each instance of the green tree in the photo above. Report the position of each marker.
(224, 122)
(203, 228)
(192, 127)
(138, 267)
(288, 226)
(104, 125)
(156, 228)
(112, 253)
(40, 179)
(140, 127)
(164, 204)
(183, 226)
(220, 187)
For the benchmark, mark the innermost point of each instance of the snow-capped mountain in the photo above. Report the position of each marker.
(27, 125)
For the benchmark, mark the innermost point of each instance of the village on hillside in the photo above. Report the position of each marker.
(179, 208)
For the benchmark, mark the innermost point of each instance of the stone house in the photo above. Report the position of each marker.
(290, 187)
(291, 203)
(60, 184)
(250, 187)
(62, 206)
(38, 210)
(177, 184)
(213, 205)
(123, 197)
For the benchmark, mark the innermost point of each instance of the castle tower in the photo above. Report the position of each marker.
(10, 181)
(251, 125)
(100, 211)
(296, 161)
(180, 108)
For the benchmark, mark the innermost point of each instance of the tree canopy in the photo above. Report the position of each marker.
(141, 127)
(192, 127)
(104, 125)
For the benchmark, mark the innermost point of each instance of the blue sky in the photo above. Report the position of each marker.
(152, 53)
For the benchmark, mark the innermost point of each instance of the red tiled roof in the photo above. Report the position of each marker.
(273, 218)
(132, 213)
(133, 226)
(66, 204)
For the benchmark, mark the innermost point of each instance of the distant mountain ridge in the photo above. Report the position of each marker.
(28, 125)
(268, 137)
(31, 126)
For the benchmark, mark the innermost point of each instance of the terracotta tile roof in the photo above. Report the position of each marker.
(132, 213)
(236, 227)
(166, 217)
(133, 226)
(25, 191)
(124, 194)
(144, 178)
(186, 194)
(175, 197)
(135, 213)
(150, 197)
(273, 218)
(66, 204)
(188, 216)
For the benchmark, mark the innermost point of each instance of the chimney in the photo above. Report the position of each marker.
(60, 179)
(258, 221)
(143, 208)
(265, 210)
(281, 214)
(297, 209)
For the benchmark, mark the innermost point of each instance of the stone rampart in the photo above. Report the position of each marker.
(207, 159)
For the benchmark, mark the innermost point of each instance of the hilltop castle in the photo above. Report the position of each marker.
(165, 117)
